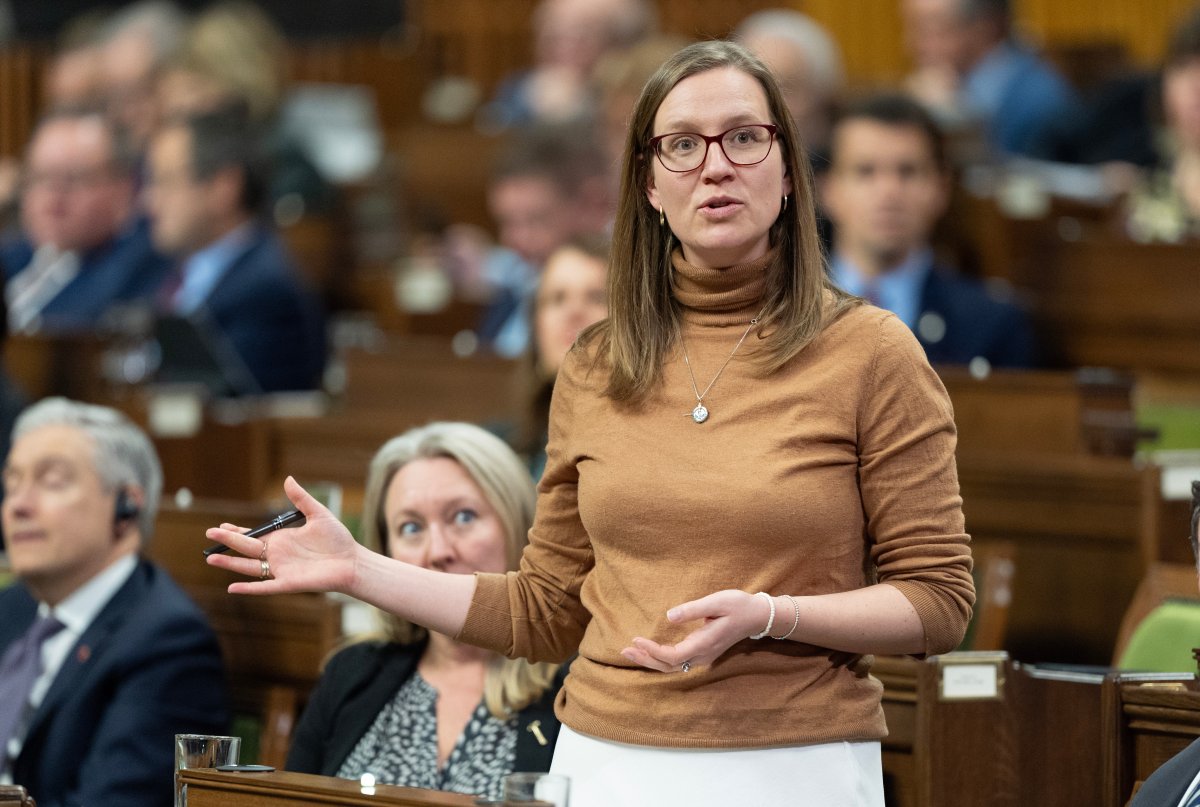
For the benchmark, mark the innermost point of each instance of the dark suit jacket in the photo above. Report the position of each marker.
(360, 680)
(973, 322)
(147, 668)
(1166, 786)
(272, 321)
(124, 270)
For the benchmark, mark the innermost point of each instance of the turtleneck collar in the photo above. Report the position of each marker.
(718, 297)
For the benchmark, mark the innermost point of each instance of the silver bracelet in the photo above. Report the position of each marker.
(796, 608)
(770, 620)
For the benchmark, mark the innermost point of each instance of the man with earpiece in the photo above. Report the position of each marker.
(103, 658)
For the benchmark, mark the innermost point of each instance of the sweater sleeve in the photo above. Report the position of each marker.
(909, 485)
(537, 612)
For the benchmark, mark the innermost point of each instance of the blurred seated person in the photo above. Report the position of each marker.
(569, 39)
(887, 186)
(74, 74)
(205, 189)
(71, 80)
(571, 296)
(233, 54)
(1177, 782)
(619, 78)
(416, 708)
(972, 71)
(807, 61)
(103, 658)
(548, 186)
(137, 42)
(1166, 206)
(84, 247)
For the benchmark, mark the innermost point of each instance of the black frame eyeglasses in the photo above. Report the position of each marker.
(657, 141)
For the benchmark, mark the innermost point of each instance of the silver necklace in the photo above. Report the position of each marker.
(700, 413)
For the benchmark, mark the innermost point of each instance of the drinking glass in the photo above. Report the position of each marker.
(540, 789)
(202, 751)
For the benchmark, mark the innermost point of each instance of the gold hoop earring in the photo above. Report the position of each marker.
(785, 198)
(662, 218)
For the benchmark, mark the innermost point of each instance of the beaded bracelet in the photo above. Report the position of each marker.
(796, 608)
(770, 620)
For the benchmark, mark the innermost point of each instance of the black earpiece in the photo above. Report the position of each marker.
(125, 508)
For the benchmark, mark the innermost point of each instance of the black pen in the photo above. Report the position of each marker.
(278, 523)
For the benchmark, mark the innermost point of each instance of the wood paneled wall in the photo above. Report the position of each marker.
(870, 31)
(1143, 26)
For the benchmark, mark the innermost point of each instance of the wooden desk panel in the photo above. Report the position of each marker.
(1078, 525)
(1148, 719)
(1105, 302)
(1041, 743)
(211, 788)
(1042, 412)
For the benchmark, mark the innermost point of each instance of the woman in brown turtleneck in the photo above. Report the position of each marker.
(750, 487)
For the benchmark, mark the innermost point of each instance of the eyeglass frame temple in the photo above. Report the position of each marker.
(772, 128)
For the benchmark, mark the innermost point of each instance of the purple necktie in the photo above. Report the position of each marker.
(20, 667)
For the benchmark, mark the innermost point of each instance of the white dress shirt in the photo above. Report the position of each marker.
(49, 272)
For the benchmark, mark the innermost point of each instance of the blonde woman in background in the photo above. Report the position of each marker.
(416, 708)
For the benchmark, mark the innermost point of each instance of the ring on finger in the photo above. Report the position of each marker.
(266, 570)
(263, 555)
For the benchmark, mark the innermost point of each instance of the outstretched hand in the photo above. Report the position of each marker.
(319, 556)
(728, 617)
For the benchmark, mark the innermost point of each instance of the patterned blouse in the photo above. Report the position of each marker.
(400, 747)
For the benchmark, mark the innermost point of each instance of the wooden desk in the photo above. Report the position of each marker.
(1148, 719)
(1078, 525)
(1039, 742)
(391, 387)
(1045, 467)
(1074, 413)
(68, 365)
(1114, 303)
(211, 788)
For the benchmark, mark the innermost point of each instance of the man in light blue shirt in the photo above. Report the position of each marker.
(887, 186)
(205, 188)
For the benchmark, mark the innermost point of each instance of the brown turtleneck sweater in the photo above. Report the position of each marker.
(815, 479)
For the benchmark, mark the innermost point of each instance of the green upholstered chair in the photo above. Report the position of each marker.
(1163, 640)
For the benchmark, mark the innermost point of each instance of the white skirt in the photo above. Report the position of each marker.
(606, 774)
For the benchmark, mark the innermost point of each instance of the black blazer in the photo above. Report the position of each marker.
(262, 307)
(1166, 786)
(360, 680)
(970, 321)
(147, 668)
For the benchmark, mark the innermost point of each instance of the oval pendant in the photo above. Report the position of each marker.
(699, 414)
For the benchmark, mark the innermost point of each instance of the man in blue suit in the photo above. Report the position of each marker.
(84, 248)
(103, 659)
(205, 189)
(888, 184)
(972, 71)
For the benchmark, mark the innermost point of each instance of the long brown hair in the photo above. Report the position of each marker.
(643, 315)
